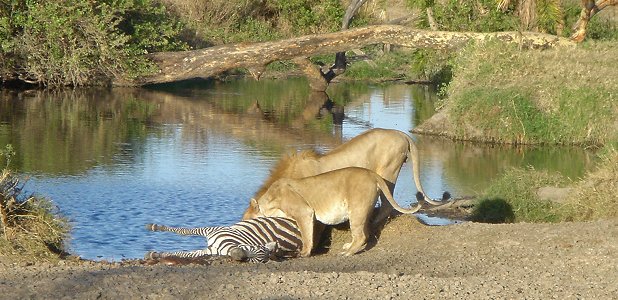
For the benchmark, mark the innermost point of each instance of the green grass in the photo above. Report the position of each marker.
(502, 94)
(512, 197)
(595, 195)
(394, 65)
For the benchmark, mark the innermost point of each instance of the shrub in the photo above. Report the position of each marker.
(28, 224)
(76, 42)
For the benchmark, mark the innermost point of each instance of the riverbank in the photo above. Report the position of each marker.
(411, 260)
(501, 94)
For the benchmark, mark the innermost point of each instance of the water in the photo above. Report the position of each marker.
(113, 160)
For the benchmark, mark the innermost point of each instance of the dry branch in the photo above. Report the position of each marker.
(203, 63)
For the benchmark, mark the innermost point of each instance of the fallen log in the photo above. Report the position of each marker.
(208, 62)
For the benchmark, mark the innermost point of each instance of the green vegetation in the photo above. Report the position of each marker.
(79, 42)
(29, 225)
(513, 197)
(552, 17)
(502, 94)
(456, 15)
(218, 22)
(386, 67)
(595, 196)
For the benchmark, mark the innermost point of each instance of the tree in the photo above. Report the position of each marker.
(589, 9)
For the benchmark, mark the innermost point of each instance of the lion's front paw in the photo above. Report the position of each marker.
(305, 253)
(346, 246)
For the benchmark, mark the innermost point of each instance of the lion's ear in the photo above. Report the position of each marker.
(253, 203)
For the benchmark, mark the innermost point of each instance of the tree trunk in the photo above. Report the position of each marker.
(203, 63)
(590, 8)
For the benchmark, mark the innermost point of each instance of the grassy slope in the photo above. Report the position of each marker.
(559, 96)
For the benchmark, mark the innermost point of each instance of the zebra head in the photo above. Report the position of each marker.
(252, 253)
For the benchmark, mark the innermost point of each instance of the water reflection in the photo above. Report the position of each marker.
(193, 154)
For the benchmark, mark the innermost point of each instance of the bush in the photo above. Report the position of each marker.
(76, 42)
(466, 15)
(29, 225)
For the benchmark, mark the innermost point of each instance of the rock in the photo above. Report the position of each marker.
(555, 194)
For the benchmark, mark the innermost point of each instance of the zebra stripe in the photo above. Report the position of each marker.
(250, 253)
(254, 239)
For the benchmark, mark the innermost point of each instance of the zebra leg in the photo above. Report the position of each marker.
(181, 254)
(201, 231)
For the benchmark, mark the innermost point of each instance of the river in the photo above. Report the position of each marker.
(193, 154)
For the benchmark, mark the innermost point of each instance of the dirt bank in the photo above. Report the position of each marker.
(411, 260)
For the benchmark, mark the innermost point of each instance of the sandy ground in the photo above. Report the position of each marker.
(409, 261)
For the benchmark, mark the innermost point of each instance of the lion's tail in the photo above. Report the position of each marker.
(387, 193)
(413, 161)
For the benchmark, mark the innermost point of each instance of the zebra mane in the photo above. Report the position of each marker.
(282, 168)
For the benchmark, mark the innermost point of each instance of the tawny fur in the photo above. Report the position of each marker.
(330, 198)
(383, 151)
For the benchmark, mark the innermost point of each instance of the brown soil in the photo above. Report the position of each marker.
(410, 261)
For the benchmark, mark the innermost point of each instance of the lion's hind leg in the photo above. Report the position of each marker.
(359, 227)
(359, 240)
(385, 210)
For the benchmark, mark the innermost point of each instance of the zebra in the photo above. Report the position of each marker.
(254, 240)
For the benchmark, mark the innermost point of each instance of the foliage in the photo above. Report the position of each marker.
(217, 22)
(435, 66)
(467, 15)
(431, 65)
(307, 14)
(73, 42)
(29, 225)
(493, 210)
(549, 16)
(385, 68)
(602, 29)
(599, 28)
(507, 95)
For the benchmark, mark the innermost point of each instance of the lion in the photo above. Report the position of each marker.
(348, 194)
(381, 150)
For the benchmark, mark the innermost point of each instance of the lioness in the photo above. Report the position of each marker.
(331, 198)
(381, 150)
